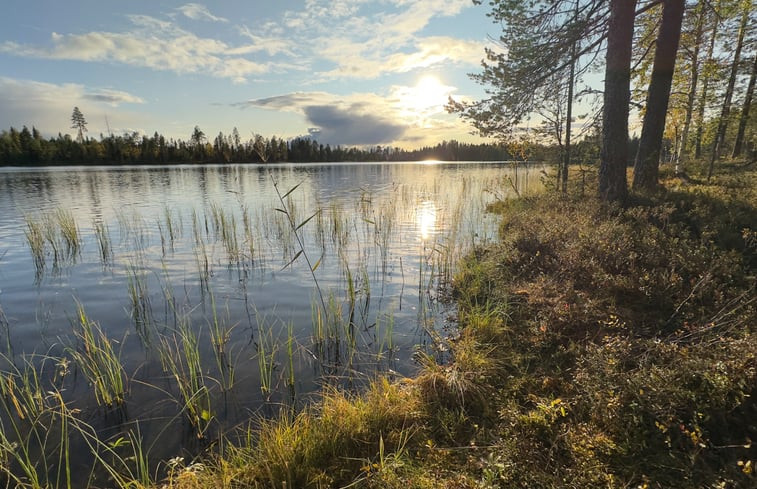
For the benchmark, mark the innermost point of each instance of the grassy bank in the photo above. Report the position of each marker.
(599, 347)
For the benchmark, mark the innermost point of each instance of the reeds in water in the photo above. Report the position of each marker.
(141, 307)
(267, 349)
(34, 428)
(69, 232)
(59, 231)
(104, 243)
(180, 356)
(220, 334)
(98, 361)
(35, 236)
(225, 229)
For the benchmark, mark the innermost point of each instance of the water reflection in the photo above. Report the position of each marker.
(426, 219)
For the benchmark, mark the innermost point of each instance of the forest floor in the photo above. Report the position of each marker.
(598, 346)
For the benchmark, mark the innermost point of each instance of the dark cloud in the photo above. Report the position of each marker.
(335, 121)
(289, 101)
(336, 125)
(113, 97)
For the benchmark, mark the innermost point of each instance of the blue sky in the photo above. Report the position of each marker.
(351, 72)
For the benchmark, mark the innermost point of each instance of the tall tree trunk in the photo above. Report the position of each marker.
(646, 168)
(691, 96)
(569, 118)
(613, 186)
(726, 111)
(705, 86)
(737, 147)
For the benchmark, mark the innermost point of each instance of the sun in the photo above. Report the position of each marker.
(426, 98)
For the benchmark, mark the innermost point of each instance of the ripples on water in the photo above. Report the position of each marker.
(207, 254)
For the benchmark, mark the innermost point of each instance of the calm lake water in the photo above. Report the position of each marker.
(212, 256)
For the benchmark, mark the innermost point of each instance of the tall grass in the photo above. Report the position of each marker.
(220, 334)
(173, 225)
(225, 230)
(139, 296)
(69, 232)
(58, 231)
(180, 356)
(98, 361)
(248, 232)
(267, 349)
(35, 237)
(104, 243)
(34, 427)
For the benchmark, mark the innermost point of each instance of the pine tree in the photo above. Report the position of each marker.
(79, 123)
(646, 168)
(613, 185)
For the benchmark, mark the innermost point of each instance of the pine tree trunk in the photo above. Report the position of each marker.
(569, 120)
(705, 87)
(646, 168)
(726, 111)
(691, 96)
(613, 186)
(737, 147)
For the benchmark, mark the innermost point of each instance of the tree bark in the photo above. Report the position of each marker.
(613, 186)
(691, 96)
(705, 86)
(569, 120)
(737, 147)
(647, 165)
(726, 111)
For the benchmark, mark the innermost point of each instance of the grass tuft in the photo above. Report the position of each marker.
(98, 361)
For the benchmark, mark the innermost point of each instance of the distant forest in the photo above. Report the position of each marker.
(28, 147)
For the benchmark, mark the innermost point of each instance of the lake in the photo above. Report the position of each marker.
(169, 305)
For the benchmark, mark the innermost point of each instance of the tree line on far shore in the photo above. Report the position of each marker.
(28, 147)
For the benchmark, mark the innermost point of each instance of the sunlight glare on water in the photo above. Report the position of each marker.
(426, 213)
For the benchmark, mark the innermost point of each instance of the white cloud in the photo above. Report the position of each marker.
(269, 44)
(195, 11)
(48, 106)
(153, 43)
(365, 44)
(354, 61)
(333, 39)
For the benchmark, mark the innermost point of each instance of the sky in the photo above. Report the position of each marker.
(347, 72)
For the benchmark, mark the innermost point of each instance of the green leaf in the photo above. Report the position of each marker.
(290, 191)
(119, 442)
(292, 260)
(307, 220)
